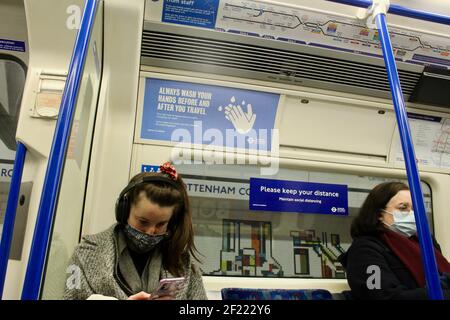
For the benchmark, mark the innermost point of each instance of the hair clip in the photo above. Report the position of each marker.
(170, 170)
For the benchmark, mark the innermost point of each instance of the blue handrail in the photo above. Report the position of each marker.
(46, 212)
(10, 214)
(401, 11)
(423, 231)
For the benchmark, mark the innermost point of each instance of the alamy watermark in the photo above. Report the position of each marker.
(374, 280)
(74, 279)
(73, 20)
(212, 146)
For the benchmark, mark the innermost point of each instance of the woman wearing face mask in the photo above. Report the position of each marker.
(384, 259)
(152, 240)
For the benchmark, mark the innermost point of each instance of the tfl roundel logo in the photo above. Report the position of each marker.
(333, 209)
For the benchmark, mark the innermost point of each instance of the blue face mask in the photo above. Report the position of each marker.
(141, 242)
(404, 222)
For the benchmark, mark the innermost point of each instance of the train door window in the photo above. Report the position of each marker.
(236, 241)
(12, 82)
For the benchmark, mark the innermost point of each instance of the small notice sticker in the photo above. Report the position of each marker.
(12, 45)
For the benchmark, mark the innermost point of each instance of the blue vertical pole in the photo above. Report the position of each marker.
(423, 231)
(53, 175)
(10, 214)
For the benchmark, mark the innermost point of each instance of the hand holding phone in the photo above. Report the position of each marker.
(168, 287)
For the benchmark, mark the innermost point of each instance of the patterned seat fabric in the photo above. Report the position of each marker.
(275, 294)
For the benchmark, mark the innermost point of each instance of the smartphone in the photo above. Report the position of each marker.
(169, 287)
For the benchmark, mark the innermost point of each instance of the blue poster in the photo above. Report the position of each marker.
(197, 13)
(297, 196)
(208, 115)
(12, 45)
(149, 168)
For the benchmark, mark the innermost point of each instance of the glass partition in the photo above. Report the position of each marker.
(236, 241)
(69, 212)
(12, 82)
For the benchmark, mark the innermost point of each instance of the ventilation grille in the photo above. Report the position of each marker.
(270, 61)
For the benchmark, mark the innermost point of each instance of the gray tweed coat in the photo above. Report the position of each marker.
(95, 266)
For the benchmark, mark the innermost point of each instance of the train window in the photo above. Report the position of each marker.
(12, 82)
(69, 211)
(236, 241)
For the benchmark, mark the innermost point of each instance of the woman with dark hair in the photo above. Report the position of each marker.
(384, 259)
(153, 239)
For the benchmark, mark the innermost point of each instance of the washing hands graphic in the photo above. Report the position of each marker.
(242, 121)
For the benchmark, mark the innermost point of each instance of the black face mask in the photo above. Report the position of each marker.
(141, 242)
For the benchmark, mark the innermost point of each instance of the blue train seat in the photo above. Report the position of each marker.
(275, 294)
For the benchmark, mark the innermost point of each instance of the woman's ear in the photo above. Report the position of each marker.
(381, 216)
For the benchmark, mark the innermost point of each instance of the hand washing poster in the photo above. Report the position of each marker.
(195, 113)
